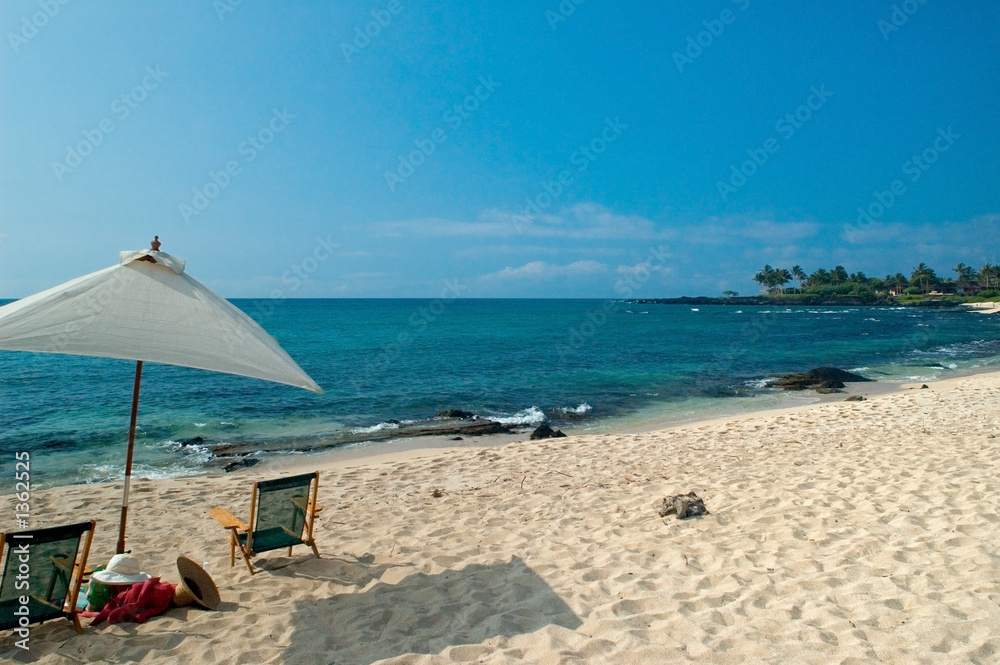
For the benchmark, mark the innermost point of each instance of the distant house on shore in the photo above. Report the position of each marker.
(957, 288)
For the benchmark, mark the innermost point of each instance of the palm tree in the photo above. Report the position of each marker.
(818, 278)
(964, 273)
(782, 277)
(839, 274)
(799, 275)
(988, 273)
(923, 275)
(764, 277)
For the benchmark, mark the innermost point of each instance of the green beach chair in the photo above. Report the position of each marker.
(44, 567)
(282, 514)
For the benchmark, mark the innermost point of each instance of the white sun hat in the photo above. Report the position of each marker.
(122, 569)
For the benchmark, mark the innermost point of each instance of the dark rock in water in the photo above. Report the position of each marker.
(196, 441)
(856, 398)
(834, 374)
(456, 438)
(393, 421)
(683, 505)
(455, 413)
(472, 428)
(821, 379)
(543, 431)
(241, 464)
(231, 450)
(486, 427)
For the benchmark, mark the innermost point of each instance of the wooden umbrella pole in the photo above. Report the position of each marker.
(128, 458)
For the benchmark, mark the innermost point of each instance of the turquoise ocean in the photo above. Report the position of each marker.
(582, 365)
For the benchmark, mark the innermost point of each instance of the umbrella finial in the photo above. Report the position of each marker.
(155, 244)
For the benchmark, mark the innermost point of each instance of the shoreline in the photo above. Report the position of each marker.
(399, 450)
(713, 410)
(417, 447)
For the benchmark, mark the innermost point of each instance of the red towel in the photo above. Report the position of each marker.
(138, 602)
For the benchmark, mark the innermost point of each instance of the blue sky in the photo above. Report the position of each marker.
(547, 149)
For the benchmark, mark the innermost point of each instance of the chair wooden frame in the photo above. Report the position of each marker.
(307, 505)
(74, 572)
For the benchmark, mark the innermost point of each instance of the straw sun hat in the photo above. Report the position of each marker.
(196, 586)
(122, 569)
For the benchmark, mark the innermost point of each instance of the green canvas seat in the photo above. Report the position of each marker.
(44, 567)
(282, 514)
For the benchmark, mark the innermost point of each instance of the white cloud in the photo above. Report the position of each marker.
(583, 221)
(492, 250)
(644, 267)
(721, 231)
(543, 270)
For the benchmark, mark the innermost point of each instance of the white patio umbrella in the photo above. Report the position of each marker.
(146, 309)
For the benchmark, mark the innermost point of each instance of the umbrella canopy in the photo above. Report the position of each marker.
(147, 308)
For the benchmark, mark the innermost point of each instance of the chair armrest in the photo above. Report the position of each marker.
(226, 519)
(63, 563)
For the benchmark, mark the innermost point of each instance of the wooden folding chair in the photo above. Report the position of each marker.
(46, 567)
(282, 514)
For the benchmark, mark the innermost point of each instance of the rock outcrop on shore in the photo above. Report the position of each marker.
(544, 431)
(454, 413)
(236, 455)
(820, 379)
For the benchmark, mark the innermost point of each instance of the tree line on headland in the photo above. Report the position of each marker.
(923, 280)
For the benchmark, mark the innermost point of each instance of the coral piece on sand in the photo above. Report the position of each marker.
(683, 505)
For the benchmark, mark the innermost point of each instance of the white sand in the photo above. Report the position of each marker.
(984, 307)
(840, 533)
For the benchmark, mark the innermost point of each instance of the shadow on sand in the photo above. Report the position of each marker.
(346, 570)
(426, 614)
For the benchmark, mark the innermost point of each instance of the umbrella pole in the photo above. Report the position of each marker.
(128, 458)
